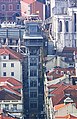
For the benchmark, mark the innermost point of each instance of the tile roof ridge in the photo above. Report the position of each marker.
(10, 92)
(11, 83)
(14, 80)
(10, 89)
(61, 97)
(13, 53)
(62, 105)
(58, 106)
(8, 78)
(62, 84)
(13, 96)
(4, 50)
(67, 116)
(68, 87)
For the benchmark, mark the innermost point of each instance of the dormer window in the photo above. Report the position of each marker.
(4, 57)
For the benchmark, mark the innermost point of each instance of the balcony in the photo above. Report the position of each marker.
(12, 110)
(32, 35)
(16, 110)
(14, 33)
(34, 43)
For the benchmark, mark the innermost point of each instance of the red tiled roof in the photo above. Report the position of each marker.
(9, 88)
(54, 86)
(57, 107)
(3, 116)
(11, 80)
(13, 54)
(66, 117)
(17, 87)
(59, 89)
(57, 72)
(10, 84)
(8, 95)
(60, 93)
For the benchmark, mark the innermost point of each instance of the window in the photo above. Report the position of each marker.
(33, 51)
(10, 7)
(33, 72)
(16, 42)
(12, 64)
(7, 106)
(10, 41)
(4, 40)
(33, 83)
(66, 26)
(74, 22)
(33, 94)
(18, 6)
(4, 57)
(33, 104)
(33, 62)
(12, 73)
(60, 26)
(4, 73)
(33, 29)
(15, 106)
(4, 64)
(3, 7)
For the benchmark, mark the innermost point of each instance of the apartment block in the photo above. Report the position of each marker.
(9, 9)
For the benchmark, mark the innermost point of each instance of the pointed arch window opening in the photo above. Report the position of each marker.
(67, 26)
(60, 26)
(74, 22)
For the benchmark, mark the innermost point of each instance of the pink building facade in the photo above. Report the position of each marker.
(25, 7)
(38, 8)
(9, 9)
(33, 7)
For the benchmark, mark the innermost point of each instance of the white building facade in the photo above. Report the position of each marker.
(10, 65)
(64, 23)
